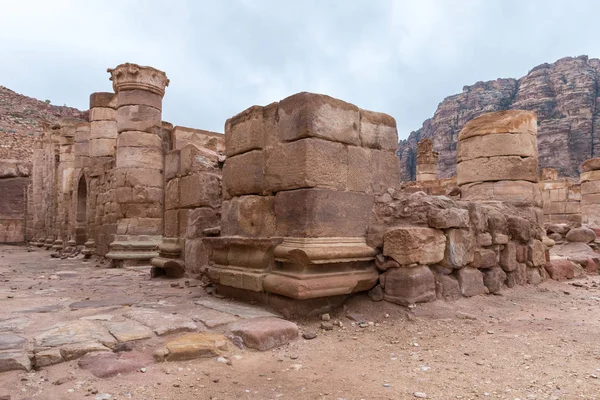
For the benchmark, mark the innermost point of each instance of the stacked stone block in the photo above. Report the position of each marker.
(426, 161)
(298, 187)
(192, 202)
(590, 193)
(497, 160)
(139, 163)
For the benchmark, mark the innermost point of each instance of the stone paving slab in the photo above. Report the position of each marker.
(128, 331)
(265, 333)
(10, 342)
(210, 317)
(124, 302)
(237, 309)
(162, 323)
(106, 365)
(196, 345)
(67, 333)
(14, 324)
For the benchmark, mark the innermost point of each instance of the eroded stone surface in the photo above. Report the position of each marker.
(196, 345)
(160, 322)
(265, 333)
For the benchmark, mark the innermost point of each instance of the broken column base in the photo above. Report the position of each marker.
(168, 263)
(88, 249)
(297, 268)
(133, 251)
(57, 245)
(48, 243)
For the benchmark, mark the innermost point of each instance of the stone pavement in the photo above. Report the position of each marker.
(54, 310)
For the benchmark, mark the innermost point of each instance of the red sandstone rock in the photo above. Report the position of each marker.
(471, 281)
(406, 286)
(560, 269)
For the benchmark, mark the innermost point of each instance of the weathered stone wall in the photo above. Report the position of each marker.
(14, 180)
(435, 187)
(437, 248)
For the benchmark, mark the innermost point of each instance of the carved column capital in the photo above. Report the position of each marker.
(132, 76)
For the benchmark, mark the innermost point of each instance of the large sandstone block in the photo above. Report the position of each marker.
(171, 218)
(470, 281)
(414, 244)
(172, 164)
(508, 257)
(444, 218)
(247, 130)
(140, 226)
(195, 159)
(139, 139)
(103, 99)
(172, 194)
(103, 130)
(199, 190)
(589, 176)
(536, 253)
(139, 97)
(314, 115)
(140, 157)
(200, 219)
(460, 245)
(322, 213)
(387, 170)
(243, 173)
(448, 287)
(493, 145)
(407, 286)
(248, 216)
(593, 164)
(560, 269)
(138, 118)
(195, 255)
(590, 187)
(516, 192)
(508, 121)
(494, 279)
(102, 114)
(265, 333)
(306, 163)
(137, 177)
(588, 199)
(378, 131)
(511, 168)
(361, 170)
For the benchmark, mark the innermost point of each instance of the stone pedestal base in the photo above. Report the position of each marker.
(168, 261)
(88, 249)
(129, 250)
(48, 243)
(58, 245)
(298, 268)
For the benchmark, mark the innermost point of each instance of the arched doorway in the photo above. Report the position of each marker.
(81, 227)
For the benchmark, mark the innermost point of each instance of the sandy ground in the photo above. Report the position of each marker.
(527, 343)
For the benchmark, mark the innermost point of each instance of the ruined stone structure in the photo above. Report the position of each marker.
(590, 193)
(299, 204)
(426, 161)
(14, 178)
(561, 197)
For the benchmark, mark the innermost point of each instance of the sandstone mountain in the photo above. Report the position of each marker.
(564, 96)
(21, 120)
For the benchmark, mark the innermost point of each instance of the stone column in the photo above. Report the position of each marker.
(139, 163)
(102, 147)
(590, 193)
(497, 159)
(426, 161)
(37, 207)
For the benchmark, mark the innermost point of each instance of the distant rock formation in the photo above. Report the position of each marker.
(564, 95)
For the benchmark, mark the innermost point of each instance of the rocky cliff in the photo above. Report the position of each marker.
(21, 120)
(564, 96)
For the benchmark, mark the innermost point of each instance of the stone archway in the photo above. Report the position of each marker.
(81, 216)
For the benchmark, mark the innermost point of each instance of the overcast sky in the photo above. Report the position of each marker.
(222, 56)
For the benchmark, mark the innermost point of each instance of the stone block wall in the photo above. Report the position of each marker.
(298, 187)
(192, 201)
(561, 199)
(14, 181)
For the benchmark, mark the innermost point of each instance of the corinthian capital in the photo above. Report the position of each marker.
(132, 76)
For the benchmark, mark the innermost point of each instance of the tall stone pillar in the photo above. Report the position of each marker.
(102, 147)
(590, 193)
(497, 159)
(426, 161)
(139, 163)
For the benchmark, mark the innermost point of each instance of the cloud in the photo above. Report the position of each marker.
(395, 56)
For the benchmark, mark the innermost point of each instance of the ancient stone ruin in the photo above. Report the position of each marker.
(299, 204)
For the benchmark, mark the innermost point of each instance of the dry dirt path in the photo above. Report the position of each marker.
(527, 343)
